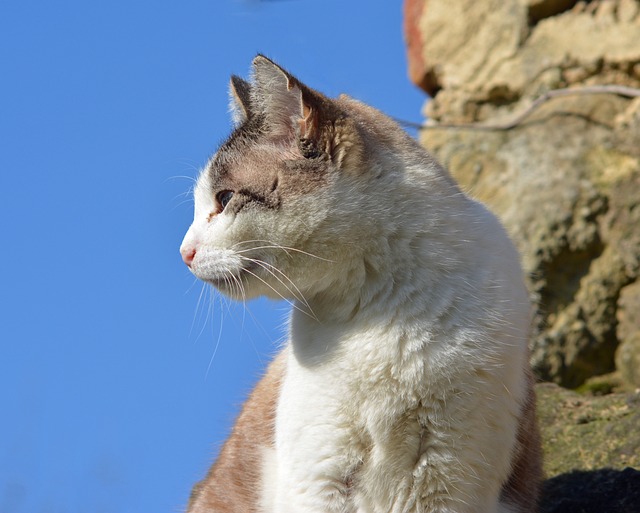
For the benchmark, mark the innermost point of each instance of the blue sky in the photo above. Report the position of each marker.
(120, 375)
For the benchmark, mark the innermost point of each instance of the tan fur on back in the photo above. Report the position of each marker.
(233, 483)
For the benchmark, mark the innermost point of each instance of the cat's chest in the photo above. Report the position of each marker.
(341, 424)
(344, 392)
(349, 372)
(316, 399)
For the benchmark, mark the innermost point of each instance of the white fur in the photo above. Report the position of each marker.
(404, 379)
(438, 346)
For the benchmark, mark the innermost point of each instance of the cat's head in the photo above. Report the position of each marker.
(291, 198)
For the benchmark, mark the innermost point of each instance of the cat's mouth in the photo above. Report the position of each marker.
(233, 280)
(225, 269)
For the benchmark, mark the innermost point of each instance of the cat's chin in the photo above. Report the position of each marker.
(235, 289)
(249, 283)
(233, 284)
(243, 284)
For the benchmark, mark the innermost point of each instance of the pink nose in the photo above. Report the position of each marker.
(188, 254)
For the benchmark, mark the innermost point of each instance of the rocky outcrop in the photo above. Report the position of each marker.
(478, 56)
(628, 317)
(588, 432)
(590, 445)
(565, 182)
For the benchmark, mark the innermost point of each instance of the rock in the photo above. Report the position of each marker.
(590, 445)
(566, 182)
(413, 37)
(571, 212)
(628, 354)
(481, 54)
(588, 433)
(450, 46)
(539, 9)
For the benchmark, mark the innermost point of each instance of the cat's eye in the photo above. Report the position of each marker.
(223, 198)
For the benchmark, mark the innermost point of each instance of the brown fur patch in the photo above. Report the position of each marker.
(522, 489)
(233, 483)
(264, 174)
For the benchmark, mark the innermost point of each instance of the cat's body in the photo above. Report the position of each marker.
(405, 385)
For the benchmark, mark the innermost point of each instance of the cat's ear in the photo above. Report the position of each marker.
(295, 112)
(239, 99)
(277, 95)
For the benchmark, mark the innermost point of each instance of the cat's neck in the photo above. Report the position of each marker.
(424, 280)
(362, 291)
(390, 281)
(392, 275)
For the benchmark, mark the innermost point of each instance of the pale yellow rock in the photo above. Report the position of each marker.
(483, 52)
(566, 183)
(628, 353)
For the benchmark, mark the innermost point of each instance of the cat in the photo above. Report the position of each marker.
(404, 386)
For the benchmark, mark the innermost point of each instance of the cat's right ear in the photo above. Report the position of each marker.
(239, 100)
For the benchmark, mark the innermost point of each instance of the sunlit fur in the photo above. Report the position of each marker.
(405, 385)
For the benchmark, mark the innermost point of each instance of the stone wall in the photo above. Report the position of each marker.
(565, 182)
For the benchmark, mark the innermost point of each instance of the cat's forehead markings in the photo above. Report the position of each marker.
(231, 149)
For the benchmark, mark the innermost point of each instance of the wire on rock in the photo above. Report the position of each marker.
(627, 92)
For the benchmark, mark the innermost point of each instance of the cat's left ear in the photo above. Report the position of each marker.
(239, 99)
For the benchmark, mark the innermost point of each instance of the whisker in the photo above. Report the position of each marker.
(187, 195)
(188, 200)
(266, 266)
(215, 349)
(237, 285)
(273, 245)
(299, 296)
(195, 314)
(195, 280)
(181, 177)
(246, 309)
(208, 310)
(188, 192)
(293, 305)
(286, 250)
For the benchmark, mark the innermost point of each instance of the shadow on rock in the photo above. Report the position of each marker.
(596, 491)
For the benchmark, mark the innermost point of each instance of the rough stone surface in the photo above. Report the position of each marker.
(566, 182)
(582, 432)
(413, 37)
(590, 447)
(628, 353)
(482, 55)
